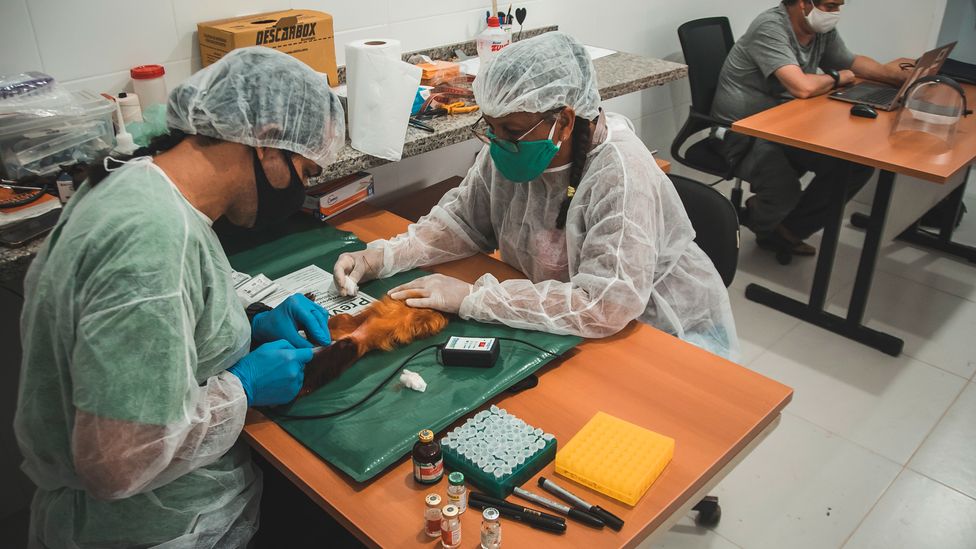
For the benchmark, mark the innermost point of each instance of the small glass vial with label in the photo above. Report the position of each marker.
(432, 516)
(428, 464)
(491, 529)
(457, 493)
(450, 527)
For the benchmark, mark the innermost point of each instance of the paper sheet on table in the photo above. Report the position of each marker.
(319, 282)
(471, 66)
(596, 53)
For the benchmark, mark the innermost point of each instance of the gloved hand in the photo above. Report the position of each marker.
(352, 268)
(273, 373)
(436, 291)
(283, 322)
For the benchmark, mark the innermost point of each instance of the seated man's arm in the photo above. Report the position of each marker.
(865, 67)
(802, 85)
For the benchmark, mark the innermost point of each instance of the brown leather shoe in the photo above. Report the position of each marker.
(799, 246)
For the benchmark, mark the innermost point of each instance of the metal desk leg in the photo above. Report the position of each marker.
(925, 239)
(813, 311)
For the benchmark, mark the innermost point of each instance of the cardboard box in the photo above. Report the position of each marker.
(303, 34)
(336, 196)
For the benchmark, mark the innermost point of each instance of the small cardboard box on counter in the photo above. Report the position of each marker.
(336, 196)
(304, 34)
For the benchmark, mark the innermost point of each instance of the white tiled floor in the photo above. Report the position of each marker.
(874, 451)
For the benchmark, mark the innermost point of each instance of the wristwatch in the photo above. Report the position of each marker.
(254, 309)
(835, 75)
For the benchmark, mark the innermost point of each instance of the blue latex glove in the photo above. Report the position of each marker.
(273, 373)
(283, 322)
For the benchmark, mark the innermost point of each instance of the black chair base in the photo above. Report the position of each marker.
(709, 512)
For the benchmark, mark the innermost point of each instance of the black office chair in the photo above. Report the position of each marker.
(705, 44)
(715, 222)
(717, 234)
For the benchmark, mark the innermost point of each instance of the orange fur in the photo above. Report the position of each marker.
(385, 325)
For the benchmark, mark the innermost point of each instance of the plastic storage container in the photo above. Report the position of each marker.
(499, 437)
(149, 85)
(38, 139)
(615, 457)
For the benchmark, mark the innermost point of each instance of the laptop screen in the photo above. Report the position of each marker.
(928, 65)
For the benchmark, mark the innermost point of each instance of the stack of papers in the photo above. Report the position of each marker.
(311, 279)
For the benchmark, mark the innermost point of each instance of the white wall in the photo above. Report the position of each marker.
(959, 23)
(91, 44)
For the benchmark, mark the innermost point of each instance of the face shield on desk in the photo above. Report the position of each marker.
(933, 107)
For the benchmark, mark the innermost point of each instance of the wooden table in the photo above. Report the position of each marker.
(826, 126)
(716, 411)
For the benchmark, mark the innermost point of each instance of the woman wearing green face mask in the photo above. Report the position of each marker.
(571, 197)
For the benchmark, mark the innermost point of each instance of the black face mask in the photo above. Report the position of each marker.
(275, 205)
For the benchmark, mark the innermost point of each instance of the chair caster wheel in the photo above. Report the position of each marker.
(784, 257)
(709, 512)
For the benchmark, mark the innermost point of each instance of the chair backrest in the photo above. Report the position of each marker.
(715, 222)
(705, 44)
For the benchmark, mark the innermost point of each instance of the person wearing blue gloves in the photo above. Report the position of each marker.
(279, 327)
(138, 365)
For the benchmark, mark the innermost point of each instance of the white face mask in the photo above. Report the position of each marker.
(822, 21)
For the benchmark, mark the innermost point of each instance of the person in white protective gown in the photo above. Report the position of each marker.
(137, 373)
(572, 198)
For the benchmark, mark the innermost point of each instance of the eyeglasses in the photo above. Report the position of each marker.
(488, 137)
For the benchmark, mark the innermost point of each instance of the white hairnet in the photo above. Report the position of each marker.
(261, 97)
(537, 75)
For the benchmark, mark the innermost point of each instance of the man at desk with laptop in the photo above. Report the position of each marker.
(774, 61)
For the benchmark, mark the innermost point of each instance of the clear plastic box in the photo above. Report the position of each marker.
(36, 141)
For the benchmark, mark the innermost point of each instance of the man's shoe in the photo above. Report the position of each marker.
(799, 247)
(778, 245)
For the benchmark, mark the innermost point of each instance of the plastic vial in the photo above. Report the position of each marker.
(450, 527)
(491, 529)
(432, 516)
(457, 493)
(428, 464)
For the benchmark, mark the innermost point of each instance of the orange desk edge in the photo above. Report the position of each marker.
(712, 407)
(826, 126)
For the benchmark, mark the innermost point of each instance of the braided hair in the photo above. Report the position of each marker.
(158, 144)
(582, 139)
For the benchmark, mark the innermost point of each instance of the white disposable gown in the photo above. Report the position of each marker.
(627, 250)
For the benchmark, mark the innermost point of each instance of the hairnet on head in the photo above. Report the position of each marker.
(537, 75)
(261, 97)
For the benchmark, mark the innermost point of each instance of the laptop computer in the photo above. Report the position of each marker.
(889, 98)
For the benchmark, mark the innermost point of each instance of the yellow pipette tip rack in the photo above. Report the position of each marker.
(615, 457)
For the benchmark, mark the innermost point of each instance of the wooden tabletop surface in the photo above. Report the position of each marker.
(826, 126)
(711, 407)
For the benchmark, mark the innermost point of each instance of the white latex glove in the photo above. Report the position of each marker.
(352, 268)
(436, 291)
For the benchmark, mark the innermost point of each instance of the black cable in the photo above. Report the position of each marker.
(371, 393)
(397, 371)
(548, 352)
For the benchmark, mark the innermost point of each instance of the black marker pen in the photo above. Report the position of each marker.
(608, 518)
(533, 518)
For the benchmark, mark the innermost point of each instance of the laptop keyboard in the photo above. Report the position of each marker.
(879, 96)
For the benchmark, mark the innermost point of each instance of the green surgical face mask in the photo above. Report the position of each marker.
(529, 161)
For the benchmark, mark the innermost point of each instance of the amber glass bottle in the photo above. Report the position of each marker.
(428, 464)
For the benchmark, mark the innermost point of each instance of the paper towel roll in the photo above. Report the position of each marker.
(381, 89)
